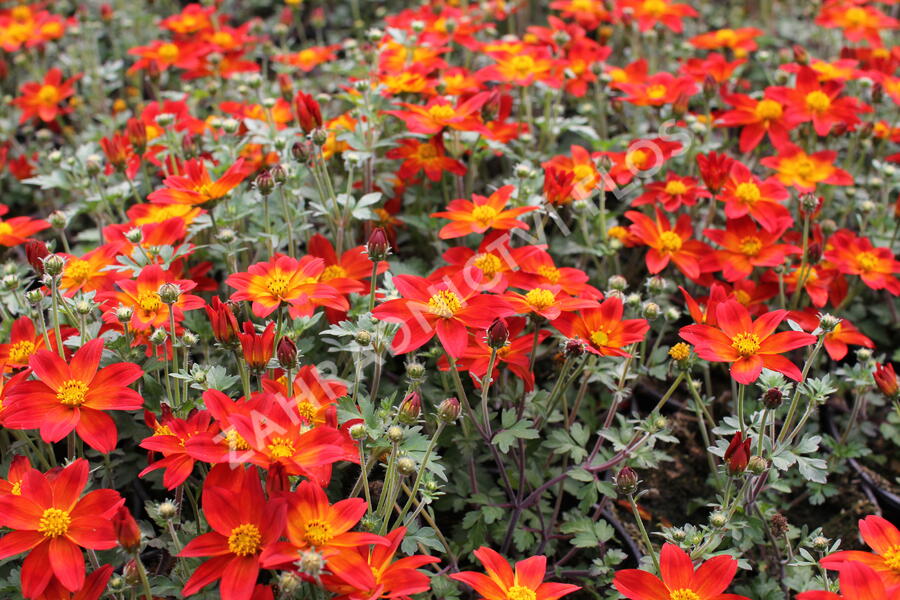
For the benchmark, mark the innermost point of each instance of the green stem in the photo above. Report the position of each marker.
(422, 468)
(485, 389)
(644, 536)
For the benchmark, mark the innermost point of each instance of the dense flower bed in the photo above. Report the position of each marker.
(514, 300)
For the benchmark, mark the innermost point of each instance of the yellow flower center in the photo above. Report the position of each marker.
(751, 245)
(235, 441)
(747, 192)
(317, 532)
(726, 37)
(637, 158)
(675, 188)
(149, 301)
(444, 304)
(519, 592)
(16, 489)
(866, 261)
(684, 594)
(21, 13)
(891, 558)
(669, 241)
(768, 110)
(278, 283)
(489, 264)
(657, 91)
(426, 152)
(539, 299)
(48, 94)
(245, 539)
(54, 523)
(20, 352)
(71, 392)
(584, 173)
(441, 112)
(745, 343)
(656, 8)
(742, 297)
(163, 430)
(580, 5)
(855, 16)
(78, 269)
(281, 447)
(680, 351)
(168, 52)
(484, 214)
(804, 167)
(599, 337)
(549, 273)
(306, 410)
(522, 65)
(818, 101)
(333, 272)
(222, 38)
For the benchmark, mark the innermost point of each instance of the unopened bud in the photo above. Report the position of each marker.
(159, 337)
(34, 296)
(167, 510)
(650, 311)
(54, 264)
(828, 322)
(169, 293)
(378, 246)
(395, 434)
(415, 371)
(410, 408)
(124, 314)
(363, 338)
(265, 183)
(406, 466)
(626, 481)
(497, 334)
(448, 410)
(57, 219)
(718, 519)
(772, 398)
(757, 465)
(311, 563)
(319, 136)
(617, 282)
(358, 432)
(286, 353)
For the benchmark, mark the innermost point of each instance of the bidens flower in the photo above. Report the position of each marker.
(502, 583)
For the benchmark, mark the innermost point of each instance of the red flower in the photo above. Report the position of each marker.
(445, 308)
(243, 525)
(193, 185)
(715, 169)
(42, 100)
(74, 395)
(52, 522)
(169, 437)
(361, 573)
(24, 341)
(428, 156)
(14, 231)
(673, 193)
(669, 243)
(886, 379)
(481, 214)
(648, 13)
(854, 255)
(882, 537)
(758, 118)
(602, 328)
(440, 113)
(221, 318)
(142, 295)
(502, 583)
(309, 115)
(812, 100)
(658, 89)
(745, 194)
(748, 345)
(859, 21)
(804, 171)
(515, 355)
(737, 455)
(745, 247)
(679, 578)
(858, 582)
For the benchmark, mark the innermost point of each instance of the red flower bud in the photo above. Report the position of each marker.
(886, 379)
(378, 245)
(411, 408)
(257, 347)
(137, 134)
(36, 251)
(448, 411)
(497, 334)
(286, 353)
(309, 115)
(224, 324)
(127, 531)
(738, 454)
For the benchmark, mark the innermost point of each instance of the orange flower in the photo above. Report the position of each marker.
(587, 13)
(428, 156)
(521, 68)
(162, 54)
(855, 255)
(602, 328)
(819, 102)
(481, 214)
(804, 171)
(24, 341)
(193, 184)
(316, 397)
(745, 247)
(680, 581)
(667, 243)
(14, 231)
(858, 582)
(584, 175)
(757, 118)
(73, 395)
(676, 191)
(748, 345)
(745, 194)
(42, 100)
(440, 113)
(648, 13)
(92, 271)
(659, 89)
(546, 301)
(142, 295)
(285, 280)
(502, 583)
(859, 21)
(741, 41)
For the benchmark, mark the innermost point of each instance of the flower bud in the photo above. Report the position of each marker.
(135, 235)
(410, 408)
(311, 563)
(169, 293)
(167, 510)
(574, 348)
(54, 264)
(124, 314)
(358, 432)
(36, 251)
(779, 525)
(34, 296)
(301, 151)
(738, 454)
(265, 183)
(289, 582)
(378, 246)
(83, 307)
(772, 398)
(626, 481)
(230, 126)
(820, 543)
(801, 56)
(657, 284)
(279, 175)
(680, 352)
(363, 338)
(57, 219)
(633, 300)
(757, 465)
(319, 136)
(159, 337)
(497, 334)
(286, 351)
(718, 519)
(395, 434)
(650, 310)
(448, 410)
(828, 322)
(10, 282)
(406, 466)
(617, 282)
(886, 380)
(127, 531)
